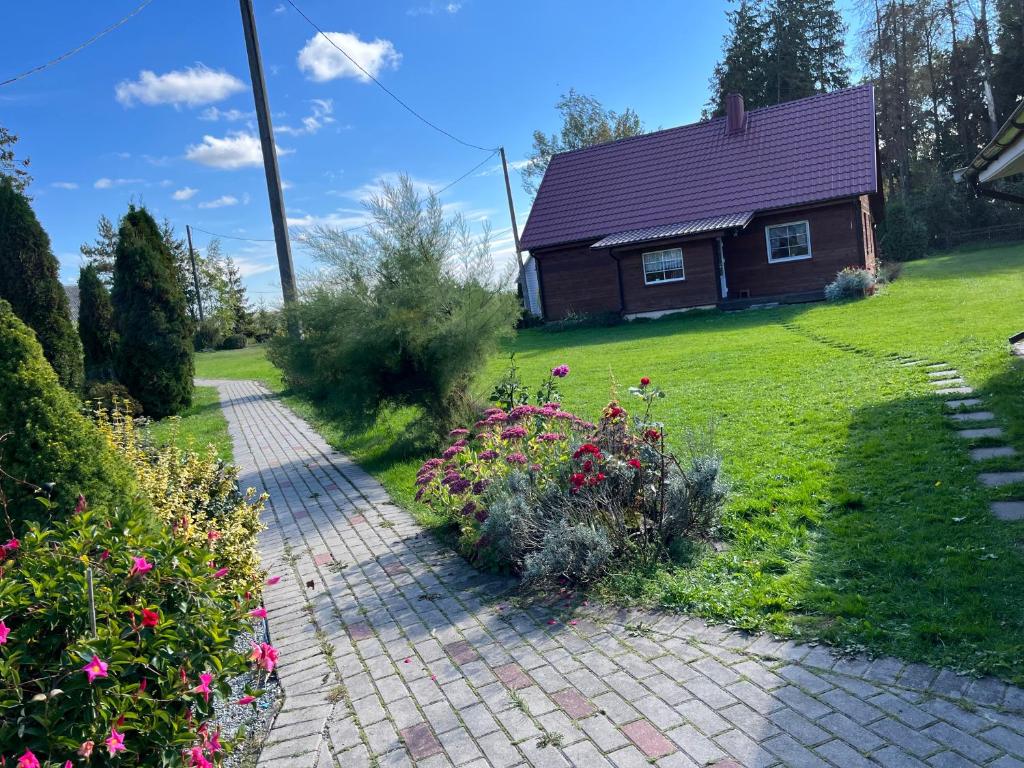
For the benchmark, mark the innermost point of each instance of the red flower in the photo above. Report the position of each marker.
(635, 464)
(150, 618)
(578, 480)
(586, 448)
(652, 435)
(588, 465)
(645, 381)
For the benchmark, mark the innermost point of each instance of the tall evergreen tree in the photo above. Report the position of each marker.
(154, 352)
(742, 68)
(10, 166)
(96, 325)
(238, 301)
(1008, 74)
(100, 253)
(29, 280)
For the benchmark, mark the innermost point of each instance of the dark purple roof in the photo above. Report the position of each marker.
(818, 148)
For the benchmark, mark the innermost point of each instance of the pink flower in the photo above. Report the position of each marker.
(115, 742)
(487, 455)
(458, 433)
(220, 573)
(140, 566)
(4, 632)
(213, 535)
(265, 656)
(95, 668)
(273, 580)
(28, 760)
(550, 437)
(204, 685)
(513, 433)
(552, 621)
(213, 743)
(560, 371)
(68, 764)
(516, 458)
(408, 661)
(86, 749)
(198, 759)
(258, 613)
(453, 451)
(105, 554)
(81, 505)
(245, 700)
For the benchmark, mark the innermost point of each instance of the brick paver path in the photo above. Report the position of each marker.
(395, 652)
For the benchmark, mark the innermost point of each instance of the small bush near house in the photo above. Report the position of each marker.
(403, 315)
(851, 283)
(196, 494)
(542, 493)
(234, 341)
(903, 236)
(135, 686)
(44, 438)
(208, 336)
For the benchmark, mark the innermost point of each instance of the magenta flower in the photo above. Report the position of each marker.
(140, 566)
(4, 632)
(204, 685)
(487, 455)
(28, 760)
(115, 742)
(273, 580)
(221, 573)
(560, 371)
(425, 479)
(453, 451)
(513, 433)
(81, 505)
(522, 410)
(458, 433)
(258, 613)
(550, 437)
(198, 759)
(265, 656)
(95, 668)
(245, 700)
(516, 458)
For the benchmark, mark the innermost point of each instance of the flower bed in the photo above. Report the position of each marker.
(542, 492)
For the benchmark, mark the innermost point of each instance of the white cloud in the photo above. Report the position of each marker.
(515, 165)
(280, 8)
(248, 267)
(65, 185)
(435, 7)
(105, 183)
(236, 150)
(192, 86)
(285, 184)
(321, 116)
(185, 193)
(223, 201)
(213, 114)
(321, 61)
(342, 218)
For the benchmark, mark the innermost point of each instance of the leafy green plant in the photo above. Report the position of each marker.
(234, 341)
(851, 283)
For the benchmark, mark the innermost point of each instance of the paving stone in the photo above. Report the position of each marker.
(574, 704)
(997, 479)
(974, 434)
(994, 452)
(955, 391)
(1008, 510)
(648, 739)
(420, 741)
(513, 676)
(943, 374)
(972, 416)
(461, 652)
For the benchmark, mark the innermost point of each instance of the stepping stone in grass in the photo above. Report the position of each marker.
(996, 452)
(973, 416)
(997, 479)
(911, 362)
(937, 365)
(947, 382)
(973, 434)
(955, 391)
(940, 374)
(1008, 510)
(968, 403)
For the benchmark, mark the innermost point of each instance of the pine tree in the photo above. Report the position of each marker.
(10, 166)
(101, 252)
(741, 69)
(805, 51)
(96, 325)
(154, 352)
(238, 301)
(29, 280)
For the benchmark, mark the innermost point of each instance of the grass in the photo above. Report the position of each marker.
(855, 515)
(248, 363)
(201, 425)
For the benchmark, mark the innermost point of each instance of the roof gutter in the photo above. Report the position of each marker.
(990, 161)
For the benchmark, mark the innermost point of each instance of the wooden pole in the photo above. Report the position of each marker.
(270, 166)
(195, 272)
(511, 210)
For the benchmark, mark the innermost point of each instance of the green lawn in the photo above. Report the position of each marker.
(201, 425)
(248, 363)
(855, 515)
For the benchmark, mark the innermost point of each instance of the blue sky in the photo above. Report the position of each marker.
(160, 111)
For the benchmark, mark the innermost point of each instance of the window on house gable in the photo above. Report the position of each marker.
(663, 266)
(788, 242)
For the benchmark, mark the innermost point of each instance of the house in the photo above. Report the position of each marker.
(754, 206)
(1001, 158)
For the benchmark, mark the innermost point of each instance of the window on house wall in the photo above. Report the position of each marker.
(788, 242)
(663, 266)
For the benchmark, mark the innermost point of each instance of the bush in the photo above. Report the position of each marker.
(154, 354)
(234, 341)
(208, 336)
(162, 647)
(851, 283)
(197, 495)
(29, 280)
(403, 315)
(540, 492)
(96, 325)
(903, 236)
(44, 438)
(574, 321)
(110, 396)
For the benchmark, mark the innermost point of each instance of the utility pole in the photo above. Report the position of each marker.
(259, 94)
(195, 273)
(512, 212)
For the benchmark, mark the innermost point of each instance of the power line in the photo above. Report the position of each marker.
(81, 47)
(445, 188)
(384, 88)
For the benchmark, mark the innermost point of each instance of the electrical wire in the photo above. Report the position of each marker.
(445, 188)
(387, 90)
(73, 51)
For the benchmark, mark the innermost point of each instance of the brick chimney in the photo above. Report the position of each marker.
(735, 115)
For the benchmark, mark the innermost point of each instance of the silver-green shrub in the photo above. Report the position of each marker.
(851, 283)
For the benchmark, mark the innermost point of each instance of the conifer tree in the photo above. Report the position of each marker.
(741, 69)
(96, 325)
(29, 280)
(154, 351)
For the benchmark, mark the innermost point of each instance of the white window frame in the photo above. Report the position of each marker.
(783, 259)
(660, 253)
